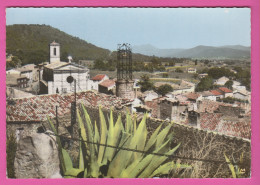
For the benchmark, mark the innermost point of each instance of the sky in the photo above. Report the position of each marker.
(163, 28)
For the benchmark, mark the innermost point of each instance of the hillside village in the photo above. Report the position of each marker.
(206, 110)
(196, 103)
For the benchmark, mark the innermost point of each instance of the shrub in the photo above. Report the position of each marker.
(111, 150)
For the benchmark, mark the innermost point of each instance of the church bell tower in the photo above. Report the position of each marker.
(54, 52)
(124, 83)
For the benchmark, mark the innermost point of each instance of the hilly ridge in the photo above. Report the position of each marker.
(31, 44)
(229, 51)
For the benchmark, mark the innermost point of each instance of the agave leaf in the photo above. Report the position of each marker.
(133, 171)
(96, 137)
(152, 139)
(73, 172)
(137, 141)
(67, 159)
(231, 167)
(110, 135)
(134, 123)
(103, 136)
(156, 162)
(113, 136)
(162, 135)
(85, 172)
(163, 169)
(93, 167)
(119, 161)
(128, 122)
(139, 137)
(81, 157)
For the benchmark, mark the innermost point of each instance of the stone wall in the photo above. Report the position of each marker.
(125, 89)
(195, 143)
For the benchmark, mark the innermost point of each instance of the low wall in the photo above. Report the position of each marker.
(195, 143)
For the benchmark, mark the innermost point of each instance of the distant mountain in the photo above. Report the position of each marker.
(150, 50)
(229, 51)
(31, 44)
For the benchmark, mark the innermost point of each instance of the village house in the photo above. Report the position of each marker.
(203, 75)
(242, 95)
(191, 70)
(217, 94)
(193, 97)
(207, 95)
(149, 95)
(96, 80)
(29, 71)
(221, 81)
(63, 77)
(226, 92)
(16, 80)
(107, 87)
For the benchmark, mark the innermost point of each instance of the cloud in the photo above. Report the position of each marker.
(226, 10)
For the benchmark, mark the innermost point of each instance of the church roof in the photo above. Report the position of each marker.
(54, 43)
(56, 65)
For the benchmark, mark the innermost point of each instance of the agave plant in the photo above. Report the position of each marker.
(119, 151)
(235, 169)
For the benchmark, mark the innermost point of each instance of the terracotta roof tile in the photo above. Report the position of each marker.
(193, 96)
(107, 83)
(216, 92)
(98, 77)
(39, 107)
(225, 90)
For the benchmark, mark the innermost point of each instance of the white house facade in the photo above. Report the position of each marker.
(63, 77)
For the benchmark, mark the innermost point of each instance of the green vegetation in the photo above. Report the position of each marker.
(97, 160)
(216, 72)
(30, 43)
(229, 84)
(145, 83)
(164, 89)
(205, 84)
(179, 70)
(232, 100)
(109, 65)
(236, 170)
(11, 146)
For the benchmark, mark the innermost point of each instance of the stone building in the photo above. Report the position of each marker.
(16, 80)
(56, 74)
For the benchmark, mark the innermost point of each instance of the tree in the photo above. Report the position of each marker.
(145, 83)
(179, 70)
(229, 84)
(164, 89)
(99, 64)
(205, 84)
(165, 75)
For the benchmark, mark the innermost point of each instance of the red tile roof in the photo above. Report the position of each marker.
(225, 90)
(216, 92)
(107, 83)
(193, 96)
(218, 123)
(210, 106)
(98, 77)
(39, 107)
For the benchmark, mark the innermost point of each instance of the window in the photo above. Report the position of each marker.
(64, 90)
(54, 51)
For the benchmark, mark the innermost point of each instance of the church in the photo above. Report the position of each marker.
(63, 77)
